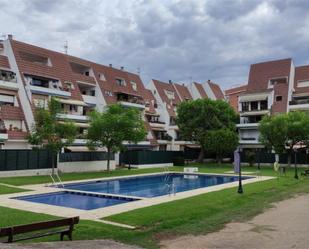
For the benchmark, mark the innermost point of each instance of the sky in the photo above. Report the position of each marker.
(178, 40)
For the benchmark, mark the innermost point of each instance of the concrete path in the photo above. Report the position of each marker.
(283, 227)
(93, 244)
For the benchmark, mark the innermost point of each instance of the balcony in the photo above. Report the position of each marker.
(73, 117)
(49, 91)
(300, 104)
(84, 79)
(92, 100)
(8, 80)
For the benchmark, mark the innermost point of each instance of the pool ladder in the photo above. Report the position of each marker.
(56, 178)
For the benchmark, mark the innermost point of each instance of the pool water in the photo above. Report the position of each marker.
(75, 200)
(103, 193)
(154, 185)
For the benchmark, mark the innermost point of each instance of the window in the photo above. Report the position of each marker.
(303, 83)
(170, 94)
(102, 77)
(108, 93)
(245, 106)
(120, 82)
(278, 98)
(68, 85)
(264, 105)
(34, 58)
(40, 103)
(134, 85)
(254, 105)
(275, 81)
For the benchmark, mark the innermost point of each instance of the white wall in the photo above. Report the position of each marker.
(85, 166)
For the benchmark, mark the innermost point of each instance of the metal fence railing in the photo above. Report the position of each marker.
(25, 159)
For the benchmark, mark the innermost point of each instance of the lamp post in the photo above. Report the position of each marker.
(240, 189)
(295, 164)
(259, 158)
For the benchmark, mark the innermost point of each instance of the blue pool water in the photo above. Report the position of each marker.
(75, 200)
(154, 185)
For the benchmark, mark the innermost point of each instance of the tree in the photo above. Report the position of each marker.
(221, 142)
(282, 132)
(197, 118)
(49, 133)
(113, 127)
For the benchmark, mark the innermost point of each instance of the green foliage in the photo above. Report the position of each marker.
(115, 126)
(282, 132)
(48, 132)
(196, 118)
(221, 142)
(204, 121)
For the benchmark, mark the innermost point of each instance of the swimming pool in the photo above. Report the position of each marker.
(153, 185)
(91, 195)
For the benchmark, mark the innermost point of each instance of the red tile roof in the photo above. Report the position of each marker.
(150, 100)
(235, 90)
(216, 90)
(301, 73)
(11, 113)
(260, 73)
(161, 88)
(18, 135)
(60, 68)
(183, 92)
(201, 90)
(4, 62)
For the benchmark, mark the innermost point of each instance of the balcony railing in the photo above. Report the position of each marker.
(299, 102)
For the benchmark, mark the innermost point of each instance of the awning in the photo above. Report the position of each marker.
(157, 128)
(253, 97)
(82, 149)
(71, 102)
(254, 113)
(193, 146)
(82, 125)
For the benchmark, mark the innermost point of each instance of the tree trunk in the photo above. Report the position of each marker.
(219, 159)
(53, 163)
(289, 158)
(201, 156)
(108, 158)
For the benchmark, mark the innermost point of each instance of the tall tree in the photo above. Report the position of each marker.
(282, 132)
(197, 118)
(115, 126)
(221, 142)
(49, 133)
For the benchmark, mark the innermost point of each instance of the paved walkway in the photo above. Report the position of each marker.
(283, 227)
(93, 244)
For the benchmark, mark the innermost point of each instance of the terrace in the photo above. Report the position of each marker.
(47, 86)
(8, 80)
(130, 100)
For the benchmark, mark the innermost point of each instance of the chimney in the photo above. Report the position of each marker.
(10, 37)
(170, 81)
(208, 81)
(110, 65)
(121, 68)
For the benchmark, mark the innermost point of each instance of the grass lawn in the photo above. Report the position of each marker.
(9, 190)
(196, 215)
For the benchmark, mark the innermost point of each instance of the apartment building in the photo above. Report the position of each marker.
(273, 87)
(231, 96)
(31, 75)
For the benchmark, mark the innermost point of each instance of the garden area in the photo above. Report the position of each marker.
(200, 214)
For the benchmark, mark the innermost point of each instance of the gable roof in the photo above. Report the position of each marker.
(201, 90)
(260, 73)
(183, 92)
(215, 88)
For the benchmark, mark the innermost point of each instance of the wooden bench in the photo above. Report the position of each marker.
(61, 226)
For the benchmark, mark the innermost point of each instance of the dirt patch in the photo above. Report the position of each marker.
(284, 226)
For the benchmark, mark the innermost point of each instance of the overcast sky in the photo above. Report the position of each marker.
(167, 39)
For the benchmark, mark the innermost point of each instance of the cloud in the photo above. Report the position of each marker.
(181, 40)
